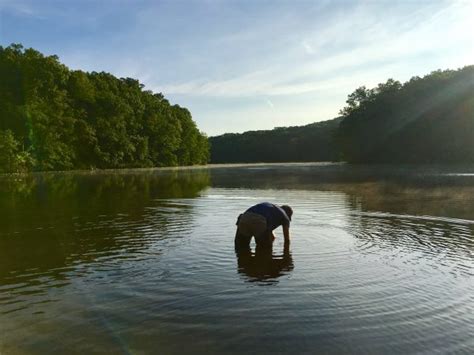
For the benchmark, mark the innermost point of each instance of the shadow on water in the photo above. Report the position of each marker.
(54, 224)
(263, 265)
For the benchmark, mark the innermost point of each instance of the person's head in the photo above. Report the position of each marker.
(288, 210)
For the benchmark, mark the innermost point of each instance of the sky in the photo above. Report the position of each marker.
(249, 64)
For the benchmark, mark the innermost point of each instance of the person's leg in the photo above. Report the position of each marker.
(245, 229)
(241, 240)
(265, 239)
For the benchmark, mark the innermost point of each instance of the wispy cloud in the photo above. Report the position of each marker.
(371, 54)
(307, 47)
(270, 104)
(19, 8)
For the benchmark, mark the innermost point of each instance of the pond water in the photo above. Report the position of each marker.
(381, 260)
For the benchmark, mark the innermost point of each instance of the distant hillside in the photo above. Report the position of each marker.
(313, 142)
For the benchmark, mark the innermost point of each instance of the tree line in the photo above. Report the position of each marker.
(426, 120)
(313, 142)
(54, 118)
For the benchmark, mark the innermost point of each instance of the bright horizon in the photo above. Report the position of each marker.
(242, 65)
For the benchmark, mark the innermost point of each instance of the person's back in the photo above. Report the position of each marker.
(260, 220)
(274, 215)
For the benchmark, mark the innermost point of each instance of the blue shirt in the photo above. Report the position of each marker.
(274, 215)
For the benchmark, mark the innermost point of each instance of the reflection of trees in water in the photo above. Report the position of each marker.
(417, 200)
(52, 222)
(434, 191)
(263, 264)
(89, 193)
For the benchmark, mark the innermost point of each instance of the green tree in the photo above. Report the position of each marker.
(313, 142)
(425, 120)
(73, 119)
(12, 158)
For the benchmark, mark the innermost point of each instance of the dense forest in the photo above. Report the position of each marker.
(425, 120)
(54, 118)
(313, 142)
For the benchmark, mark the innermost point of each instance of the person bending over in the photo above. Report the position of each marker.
(259, 221)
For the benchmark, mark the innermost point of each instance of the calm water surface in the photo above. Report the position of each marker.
(381, 260)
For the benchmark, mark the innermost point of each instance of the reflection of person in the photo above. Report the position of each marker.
(263, 265)
(259, 221)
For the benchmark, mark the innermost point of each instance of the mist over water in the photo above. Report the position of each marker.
(381, 260)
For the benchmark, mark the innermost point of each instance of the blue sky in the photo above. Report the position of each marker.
(245, 65)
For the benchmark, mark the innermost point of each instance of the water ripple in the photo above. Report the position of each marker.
(164, 272)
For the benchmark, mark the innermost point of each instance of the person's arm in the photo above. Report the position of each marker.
(286, 232)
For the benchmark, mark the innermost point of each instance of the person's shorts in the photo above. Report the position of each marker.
(252, 224)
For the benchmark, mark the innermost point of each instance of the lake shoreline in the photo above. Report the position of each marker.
(470, 167)
(171, 168)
